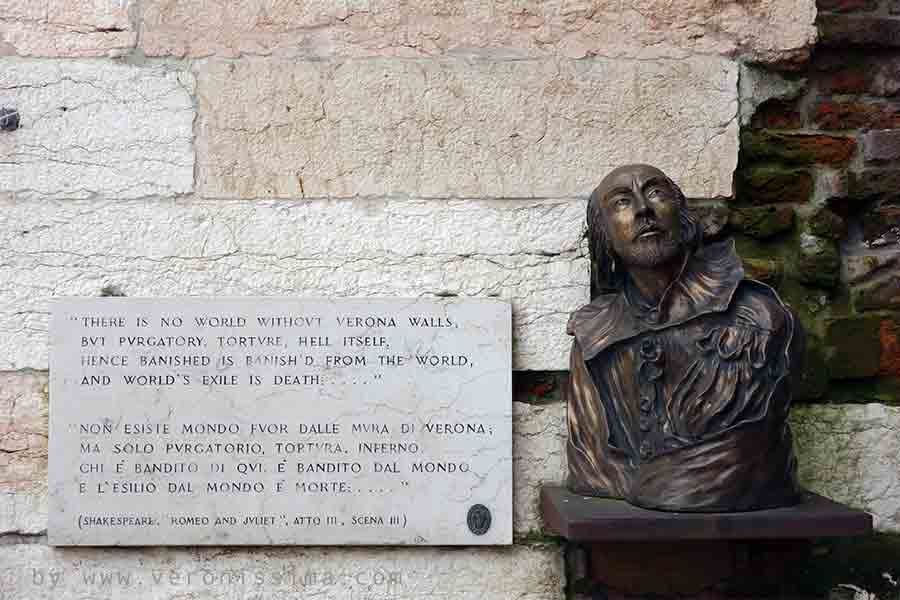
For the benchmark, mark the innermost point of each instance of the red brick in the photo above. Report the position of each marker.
(773, 184)
(797, 148)
(777, 114)
(890, 348)
(850, 70)
(847, 5)
(837, 115)
(835, 29)
(845, 81)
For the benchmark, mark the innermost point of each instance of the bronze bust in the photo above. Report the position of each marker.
(680, 367)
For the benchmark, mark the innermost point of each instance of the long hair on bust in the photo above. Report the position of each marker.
(606, 276)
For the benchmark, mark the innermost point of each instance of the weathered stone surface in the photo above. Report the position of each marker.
(777, 114)
(850, 454)
(856, 114)
(863, 30)
(881, 145)
(529, 252)
(861, 265)
(847, 5)
(767, 184)
(822, 222)
(539, 458)
(532, 572)
(855, 349)
(762, 221)
(797, 148)
(817, 263)
(23, 452)
(65, 29)
(458, 128)
(831, 189)
(881, 227)
(96, 129)
(766, 31)
(875, 185)
(889, 337)
(882, 292)
(763, 86)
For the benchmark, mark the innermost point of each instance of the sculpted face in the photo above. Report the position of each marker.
(641, 214)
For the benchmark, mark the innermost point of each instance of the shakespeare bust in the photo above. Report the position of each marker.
(680, 367)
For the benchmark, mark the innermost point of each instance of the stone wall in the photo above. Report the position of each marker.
(443, 148)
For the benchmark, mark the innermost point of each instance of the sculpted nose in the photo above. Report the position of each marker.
(641, 206)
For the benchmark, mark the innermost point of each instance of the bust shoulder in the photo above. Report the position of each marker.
(757, 305)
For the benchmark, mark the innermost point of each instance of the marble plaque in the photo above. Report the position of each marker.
(190, 421)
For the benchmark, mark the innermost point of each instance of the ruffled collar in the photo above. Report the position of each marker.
(706, 285)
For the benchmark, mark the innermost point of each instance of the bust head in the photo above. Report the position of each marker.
(637, 217)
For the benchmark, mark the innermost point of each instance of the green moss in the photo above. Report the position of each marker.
(536, 536)
(797, 148)
(773, 184)
(818, 263)
(822, 222)
(762, 221)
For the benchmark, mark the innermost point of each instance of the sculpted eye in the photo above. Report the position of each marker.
(621, 202)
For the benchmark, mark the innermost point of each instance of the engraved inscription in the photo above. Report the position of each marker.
(275, 421)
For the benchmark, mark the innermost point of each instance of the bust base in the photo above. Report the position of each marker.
(639, 551)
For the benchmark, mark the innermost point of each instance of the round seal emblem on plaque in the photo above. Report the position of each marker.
(479, 519)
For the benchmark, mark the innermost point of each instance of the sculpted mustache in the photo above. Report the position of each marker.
(645, 226)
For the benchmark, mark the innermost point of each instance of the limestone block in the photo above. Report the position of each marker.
(23, 452)
(96, 129)
(529, 252)
(460, 128)
(514, 573)
(851, 453)
(539, 457)
(764, 31)
(66, 29)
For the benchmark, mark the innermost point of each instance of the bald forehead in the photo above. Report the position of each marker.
(627, 177)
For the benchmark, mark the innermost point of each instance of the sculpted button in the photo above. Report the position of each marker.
(645, 423)
(646, 449)
(650, 350)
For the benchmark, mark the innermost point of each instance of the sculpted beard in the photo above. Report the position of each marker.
(650, 251)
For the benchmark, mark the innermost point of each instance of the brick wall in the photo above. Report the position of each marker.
(817, 191)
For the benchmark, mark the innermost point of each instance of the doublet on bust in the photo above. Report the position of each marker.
(683, 405)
